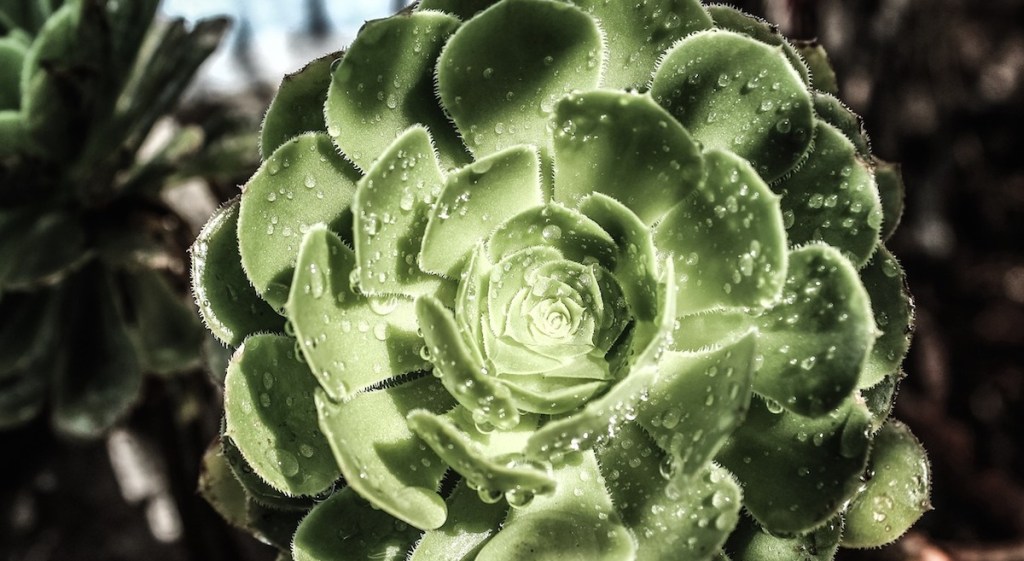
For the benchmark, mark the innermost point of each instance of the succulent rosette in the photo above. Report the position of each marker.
(577, 279)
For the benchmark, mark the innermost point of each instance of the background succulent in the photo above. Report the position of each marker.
(85, 238)
(562, 279)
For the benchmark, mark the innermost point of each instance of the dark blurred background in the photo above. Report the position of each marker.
(939, 84)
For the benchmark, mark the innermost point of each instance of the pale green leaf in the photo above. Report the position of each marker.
(625, 146)
(380, 457)
(385, 83)
(893, 310)
(270, 416)
(501, 97)
(347, 528)
(722, 87)
(298, 106)
(303, 183)
(349, 341)
(471, 522)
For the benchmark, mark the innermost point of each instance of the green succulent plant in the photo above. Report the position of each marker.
(534, 279)
(85, 239)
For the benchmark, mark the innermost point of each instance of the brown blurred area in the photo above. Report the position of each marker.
(940, 84)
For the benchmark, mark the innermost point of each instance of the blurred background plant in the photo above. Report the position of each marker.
(941, 86)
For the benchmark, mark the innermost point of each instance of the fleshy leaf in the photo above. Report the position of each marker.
(823, 77)
(12, 55)
(555, 528)
(708, 329)
(601, 417)
(698, 401)
(391, 208)
(833, 198)
(880, 399)
(896, 495)
(471, 522)
(475, 201)
(97, 373)
(551, 396)
(463, 9)
(12, 132)
(230, 307)
(269, 415)
(298, 106)
(722, 87)
(380, 457)
(470, 298)
(636, 267)
(460, 369)
(303, 183)
(816, 340)
(625, 146)
(672, 514)
(732, 19)
(501, 97)
(726, 239)
(576, 236)
(24, 231)
(347, 528)
(465, 456)
(834, 112)
(32, 326)
(638, 33)
(751, 543)
(385, 83)
(256, 488)
(167, 332)
(893, 311)
(217, 484)
(889, 178)
(349, 341)
(797, 472)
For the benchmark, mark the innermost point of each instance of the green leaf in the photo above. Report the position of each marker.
(303, 183)
(463, 9)
(31, 327)
(636, 268)
(482, 471)
(391, 209)
(708, 329)
(893, 193)
(578, 238)
(298, 106)
(256, 488)
(217, 484)
(347, 528)
(797, 472)
(12, 132)
(39, 246)
(272, 526)
(557, 526)
(831, 110)
(722, 87)
(551, 395)
(12, 56)
(822, 76)
(475, 201)
(816, 340)
(472, 295)
(385, 84)
(460, 368)
(471, 522)
(625, 146)
(605, 414)
(637, 34)
(880, 399)
(270, 416)
(732, 19)
(673, 515)
(47, 89)
(167, 332)
(751, 543)
(726, 239)
(380, 457)
(97, 375)
(501, 97)
(698, 401)
(349, 341)
(896, 495)
(893, 310)
(227, 302)
(23, 390)
(833, 198)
